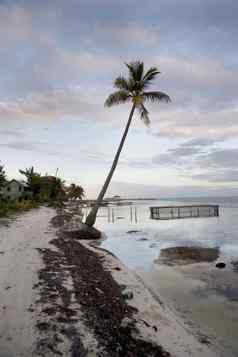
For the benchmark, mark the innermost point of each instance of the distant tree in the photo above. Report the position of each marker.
(134, 90)
(45, 188)
(58, 192)
(52, 189)
(2, 176)
(75, 192)
(33, 180)
(2, 181)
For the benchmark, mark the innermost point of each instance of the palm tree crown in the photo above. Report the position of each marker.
(134, 89)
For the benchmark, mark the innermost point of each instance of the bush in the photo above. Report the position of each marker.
(16, 206)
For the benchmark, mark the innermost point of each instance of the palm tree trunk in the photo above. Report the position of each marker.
(91, 218)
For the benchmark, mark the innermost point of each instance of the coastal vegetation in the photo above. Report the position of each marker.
(75, 192)
(9, 207)
(35, 190)
(134, 90)
(45, 188)
(2, 176)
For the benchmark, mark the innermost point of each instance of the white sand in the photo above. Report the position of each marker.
(19, 264)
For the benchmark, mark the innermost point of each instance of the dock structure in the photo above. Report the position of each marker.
(191, 211)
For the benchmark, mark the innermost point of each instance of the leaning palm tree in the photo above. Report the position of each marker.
(129, 90)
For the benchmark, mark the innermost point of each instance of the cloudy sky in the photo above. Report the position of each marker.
(58, 59)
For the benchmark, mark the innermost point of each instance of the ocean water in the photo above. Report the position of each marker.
(141, 248)
(205, 296)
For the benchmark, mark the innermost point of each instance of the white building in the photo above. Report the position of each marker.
(15, 190)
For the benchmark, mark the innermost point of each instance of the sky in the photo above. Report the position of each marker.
(58, 60)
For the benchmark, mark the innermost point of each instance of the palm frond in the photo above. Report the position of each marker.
(118, 97)
(136, 70)
(151, 74)
(156, 96)
(121, 83)
(144, 114)
(139, 70)
(131, 84)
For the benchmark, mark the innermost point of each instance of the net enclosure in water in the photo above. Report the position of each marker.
(174, 212)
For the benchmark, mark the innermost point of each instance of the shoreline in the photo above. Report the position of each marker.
(80, 300)
(155, 321)
(146, 322)
(89, 302)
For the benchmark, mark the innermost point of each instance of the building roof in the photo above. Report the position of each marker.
(21, 183)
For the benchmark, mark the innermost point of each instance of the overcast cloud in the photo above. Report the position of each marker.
(57, 63)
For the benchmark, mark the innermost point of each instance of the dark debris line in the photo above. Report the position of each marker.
(56, 319)
(100, 297)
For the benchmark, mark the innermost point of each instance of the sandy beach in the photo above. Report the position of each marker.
(19, 265)
(62, 296)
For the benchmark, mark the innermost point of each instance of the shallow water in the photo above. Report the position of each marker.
(205, 296)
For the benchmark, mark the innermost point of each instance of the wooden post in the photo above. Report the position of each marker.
(172, 213)
(131, 213)
(108, 214)
(135, 215)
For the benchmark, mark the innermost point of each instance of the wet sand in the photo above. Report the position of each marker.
(204, 296)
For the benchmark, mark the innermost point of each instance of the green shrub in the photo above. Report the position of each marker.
(9, 207)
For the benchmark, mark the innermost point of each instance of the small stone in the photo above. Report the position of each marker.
(128, 295)
(220, 265)
(117, 268)
(204, 339)
(126, 321)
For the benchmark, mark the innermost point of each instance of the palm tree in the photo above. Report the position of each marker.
(75, 191)
(129, 90)
(2, 176)
(33, 180)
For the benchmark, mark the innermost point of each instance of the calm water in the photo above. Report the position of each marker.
(205, 296)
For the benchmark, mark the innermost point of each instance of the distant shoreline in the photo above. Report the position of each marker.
(120, 199)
